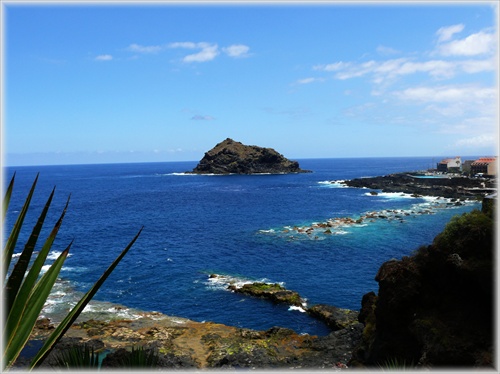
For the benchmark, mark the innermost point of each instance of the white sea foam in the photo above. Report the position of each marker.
(334, 184)
(54, 255)
(300, 309)
(221, 282)
(45, 268)
(180, 322)
(74, 269)
(89, 308)
(341, 232)
(270, 231)
(391, 195)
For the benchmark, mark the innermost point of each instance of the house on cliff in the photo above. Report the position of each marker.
(451, 165)
(484, 165)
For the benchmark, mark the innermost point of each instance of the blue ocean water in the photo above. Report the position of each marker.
(239, 226)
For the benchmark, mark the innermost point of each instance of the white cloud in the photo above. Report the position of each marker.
(309, 80)
(144, 49)
(237, 50)
(207, 51)
(332, 67)
(448, 94)
(104, 58)
(187, 45)
(199, 117)
(389, 70)
(477, 141)
(446, 33)
(475, 44)
(383, 50)
(386, 72)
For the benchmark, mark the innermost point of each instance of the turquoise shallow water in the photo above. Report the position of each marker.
(232, 225)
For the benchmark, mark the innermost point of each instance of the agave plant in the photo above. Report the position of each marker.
(138, 357)
(25, 292)
(78, 357)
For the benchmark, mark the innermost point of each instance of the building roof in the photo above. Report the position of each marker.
(448, 160)
(484, 160)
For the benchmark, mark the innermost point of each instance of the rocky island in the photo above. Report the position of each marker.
(232, 157)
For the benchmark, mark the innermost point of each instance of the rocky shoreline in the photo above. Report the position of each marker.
(456, 187)
(186, 344)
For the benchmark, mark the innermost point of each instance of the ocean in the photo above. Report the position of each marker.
(244, 227)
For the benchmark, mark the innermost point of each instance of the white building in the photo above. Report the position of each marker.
(450, 164)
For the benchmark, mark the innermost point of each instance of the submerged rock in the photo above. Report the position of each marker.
(231, 157)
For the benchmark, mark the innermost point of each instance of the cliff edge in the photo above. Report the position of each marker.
(231, 157)
(436, 307)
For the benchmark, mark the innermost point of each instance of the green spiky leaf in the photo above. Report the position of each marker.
(21, 325)
(12, 240)
(75, 312)
(8, 193)
(19, 271)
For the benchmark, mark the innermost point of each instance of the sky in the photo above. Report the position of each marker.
(130, 82)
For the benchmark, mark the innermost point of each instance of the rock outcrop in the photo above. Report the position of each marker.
(270, 291)
(335, 318)
(435, 308)
(231, 157)
(186, 344)
(456, 187)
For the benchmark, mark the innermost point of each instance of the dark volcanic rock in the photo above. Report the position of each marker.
(283, 348)
(231, 157)
(435, 308)
(335, 318)
(457, 187)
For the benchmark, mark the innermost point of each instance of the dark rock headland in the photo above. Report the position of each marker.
(231, 157)
(435, 309)
(452, 187)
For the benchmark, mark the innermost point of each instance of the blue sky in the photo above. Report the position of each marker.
(166, 82)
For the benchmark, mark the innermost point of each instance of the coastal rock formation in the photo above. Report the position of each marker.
(186, 344)
(456, 187)
(435, 308)
(273, 292)
(335, 318)
(231, 157)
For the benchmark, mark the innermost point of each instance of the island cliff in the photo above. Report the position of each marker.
(231, 157)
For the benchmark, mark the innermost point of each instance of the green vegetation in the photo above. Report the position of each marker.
(139, 358)
(78, 357)
(268, 287)
(26, 290)
(396, 364)
(467, 234)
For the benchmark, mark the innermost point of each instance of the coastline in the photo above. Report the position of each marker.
(215, 345)
(186, 344)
